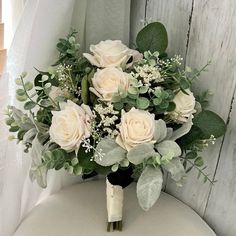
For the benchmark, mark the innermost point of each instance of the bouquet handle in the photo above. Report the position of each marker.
(115, 195)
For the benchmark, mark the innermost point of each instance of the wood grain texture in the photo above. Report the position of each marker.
(221, 208)
(202, 31)
(175, 15)
(211, 37)
(137, 17)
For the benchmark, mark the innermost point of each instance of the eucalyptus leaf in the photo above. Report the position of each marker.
(149, 187)
(210, 124)
(140, 152)
(46, 103)
(157, 101)
(143, 89)
(142, 103)
(28, 85)
(22, 98)
(199, 162)
(18, 81)
(111, 152)
(29, 105)
(20, 92)
(176, 169)
(133, 90)
(115, 167)
(152, 37)
(78, 170)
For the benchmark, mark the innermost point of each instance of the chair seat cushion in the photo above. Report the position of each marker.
(80, 210)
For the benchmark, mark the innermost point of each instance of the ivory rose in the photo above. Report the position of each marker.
(108, 81)
(184, 106)
(111, 53)
(136, 127)
(70, 125)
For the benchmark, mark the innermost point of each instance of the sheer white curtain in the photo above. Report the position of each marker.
(42, 23)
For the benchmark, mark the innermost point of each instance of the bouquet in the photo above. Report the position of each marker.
(130, 115)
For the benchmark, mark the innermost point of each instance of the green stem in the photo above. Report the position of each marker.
(23, 84)
(117, 225)
(196, 167)
(56, 105)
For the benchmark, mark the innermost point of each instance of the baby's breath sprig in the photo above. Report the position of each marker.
(65, 79)
(88, 147)
(108, 117)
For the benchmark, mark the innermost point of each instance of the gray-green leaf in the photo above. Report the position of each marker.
(111, 152)
(167, 146)
(142, 103)
(140, 152)
(160, 130)
(176, 169)
(29, 135)
(149, 187)
(38, 171)
(210, 124)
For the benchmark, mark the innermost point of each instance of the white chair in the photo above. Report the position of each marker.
(80, 210)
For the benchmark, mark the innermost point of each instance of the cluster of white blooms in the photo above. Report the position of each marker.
(206, 142)
(148, 73)
(65, 78)
(108, 117)
(89, 147)
(176, 60)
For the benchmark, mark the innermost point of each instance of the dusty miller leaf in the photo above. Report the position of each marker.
(149, 187)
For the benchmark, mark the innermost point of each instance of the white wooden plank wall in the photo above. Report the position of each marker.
(202, 30)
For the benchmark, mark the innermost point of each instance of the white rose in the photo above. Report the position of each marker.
(108, 81)
(110, 53)
(136, 127)
(57, 92)
(184, 106)
(70, 125)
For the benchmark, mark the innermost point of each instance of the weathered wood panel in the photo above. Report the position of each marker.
(137, 16)
(202, 31)
(221, 209)
(175, 15)
(211, 37)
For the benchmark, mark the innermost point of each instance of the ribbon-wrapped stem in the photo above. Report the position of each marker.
(115, 197)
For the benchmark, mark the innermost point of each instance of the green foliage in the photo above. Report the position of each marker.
(38, 170)
(29, 105)
(154, 82)
(149, 187)
(210, 124)
(142, 103)
(207, 126)
(140, 152)
(152, 37)
(108, 152)
(68, 49)
(169, 147)
(199, 162)
(203, 99)
(162, 100)
(176, 169)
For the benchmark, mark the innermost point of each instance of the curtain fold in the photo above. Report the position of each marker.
(42, 23)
